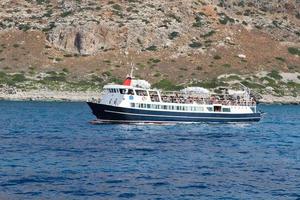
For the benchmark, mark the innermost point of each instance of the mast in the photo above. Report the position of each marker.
(131, 71)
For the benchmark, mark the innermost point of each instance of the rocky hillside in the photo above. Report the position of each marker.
(173, 42)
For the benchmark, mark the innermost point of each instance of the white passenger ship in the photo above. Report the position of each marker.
(136, 102)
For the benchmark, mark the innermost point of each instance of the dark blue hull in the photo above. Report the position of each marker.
(128, 115)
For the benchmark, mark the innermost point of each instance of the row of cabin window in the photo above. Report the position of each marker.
(168, 107)
(130, 92)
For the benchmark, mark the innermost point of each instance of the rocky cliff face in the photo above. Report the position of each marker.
(82, 39)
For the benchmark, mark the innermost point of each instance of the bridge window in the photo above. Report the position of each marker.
(141, 92)
(130, 92)
(122, 91)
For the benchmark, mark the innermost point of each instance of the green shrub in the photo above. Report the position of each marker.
(68, 55)
(224, 19)
(199, 22)
(195, 45)
(294, 51)
(199, 68)
(65, 70)
(42, 1)
(152, 48)
(58, 59)
(217, 57)
(24, 27)
(275, 74)
(210, 33)
(280, 59)
(173, 35)
(117, 7)
(107, 73)
(153, 60)
(65, 14)
(175, 17)
(227, 65)
(157, 74)
(48, 13)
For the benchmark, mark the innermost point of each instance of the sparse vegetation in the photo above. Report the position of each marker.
(233, 77)
(252, 85)
(166, 85)
(213, 83)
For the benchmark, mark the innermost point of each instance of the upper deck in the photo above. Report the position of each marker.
(143, 95)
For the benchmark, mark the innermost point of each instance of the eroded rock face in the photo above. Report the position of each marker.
(82, 39)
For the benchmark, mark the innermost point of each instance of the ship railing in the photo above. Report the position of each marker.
(207, 101)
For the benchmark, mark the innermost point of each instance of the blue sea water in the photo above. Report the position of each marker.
(51, 151)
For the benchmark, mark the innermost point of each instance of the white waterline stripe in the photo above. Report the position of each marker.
(148, 115)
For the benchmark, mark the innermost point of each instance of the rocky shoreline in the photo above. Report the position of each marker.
(44, 95)
(83, 96)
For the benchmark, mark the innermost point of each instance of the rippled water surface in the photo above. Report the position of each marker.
(50, 151)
